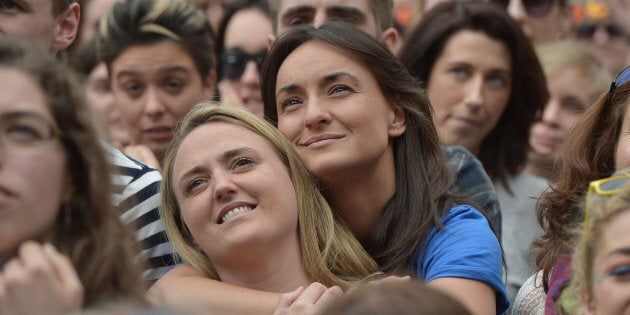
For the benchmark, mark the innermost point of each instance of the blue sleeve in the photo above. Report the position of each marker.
(464, 248)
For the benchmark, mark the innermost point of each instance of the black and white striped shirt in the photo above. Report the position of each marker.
(136, 195)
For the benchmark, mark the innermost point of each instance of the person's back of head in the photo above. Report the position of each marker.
(396, 298)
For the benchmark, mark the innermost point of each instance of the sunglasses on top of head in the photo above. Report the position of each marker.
(534, 8)
(234, 61)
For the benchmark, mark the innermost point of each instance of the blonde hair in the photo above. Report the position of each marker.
(560, 55)
(330, 253)
(602, 211)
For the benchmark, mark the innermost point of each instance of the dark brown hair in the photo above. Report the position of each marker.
(422, 174)
(504, 150)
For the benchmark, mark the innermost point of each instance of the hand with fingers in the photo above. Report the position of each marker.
(40, 280)
(310, 301)
(143, 154)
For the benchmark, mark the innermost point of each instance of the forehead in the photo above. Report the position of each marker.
(316, 60)
(217, 137)
(155, 56)
(20, 92)
(362, 5)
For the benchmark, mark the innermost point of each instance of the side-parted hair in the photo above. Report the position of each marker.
(602, 211)
(588, 154)
(504, 150)
(144, 22)
(422, 174)
(330, 253)
(383, 11)
(557, 56)
(87, 229)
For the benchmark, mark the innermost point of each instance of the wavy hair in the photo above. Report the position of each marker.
(330, 253)
(588, 154)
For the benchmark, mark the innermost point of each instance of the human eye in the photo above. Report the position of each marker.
(193, 185)
(101, 86)
(459, 72)
(297, 20)
(242, 162)
(10, 6)
(24, 132)
(621, 270)
(497, 80)
(339, 88)
(132, 88)
(174, 85)
(290, 102)
(573, 105)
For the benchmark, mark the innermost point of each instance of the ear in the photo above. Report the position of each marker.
(392, 40)
(397, 123)
(210, 85)
(270, 40)
(66, 29)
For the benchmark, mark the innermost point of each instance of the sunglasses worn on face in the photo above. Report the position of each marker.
(234, 62)
(604, 187)
(587, 30)
(534, 8)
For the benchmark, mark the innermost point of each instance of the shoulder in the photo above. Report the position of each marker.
(531, 296)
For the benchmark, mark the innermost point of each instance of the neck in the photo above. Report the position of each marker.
(359, 195)
(539, 166)
(276, 268)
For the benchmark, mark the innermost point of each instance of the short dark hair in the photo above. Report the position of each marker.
(141, 22)
(504, 150)
(58, 6)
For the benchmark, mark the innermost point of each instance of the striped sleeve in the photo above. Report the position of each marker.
(136, 196)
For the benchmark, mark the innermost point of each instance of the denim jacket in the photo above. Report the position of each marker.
(473, 182)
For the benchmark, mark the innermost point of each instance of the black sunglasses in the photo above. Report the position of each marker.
(620, 79)
(535, 8)
(586, 30)
(234, 61)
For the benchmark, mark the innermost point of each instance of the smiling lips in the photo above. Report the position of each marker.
(231, 211)
(319, 138)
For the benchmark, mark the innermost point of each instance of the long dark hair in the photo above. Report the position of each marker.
(504, 150)
(422, 174)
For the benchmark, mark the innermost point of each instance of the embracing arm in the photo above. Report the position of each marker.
(478, 297)
(184, 289)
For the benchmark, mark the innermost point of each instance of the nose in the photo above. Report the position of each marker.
(474, 94)
(154, 106)
(224, 187)
(517, 11)
(316, 115)
(551, 112)
(600, 36)
(251, 75)
(319, 19)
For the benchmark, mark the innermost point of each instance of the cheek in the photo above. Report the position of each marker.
(622, 155)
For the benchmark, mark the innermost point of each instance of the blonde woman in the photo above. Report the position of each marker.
(240, 207)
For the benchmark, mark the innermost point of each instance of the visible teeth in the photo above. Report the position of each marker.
(234, 212)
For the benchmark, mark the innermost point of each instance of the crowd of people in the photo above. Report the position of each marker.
(314, 157)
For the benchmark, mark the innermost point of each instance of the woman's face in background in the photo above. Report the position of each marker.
(469, 88)
(571, 92)
(244, 49)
